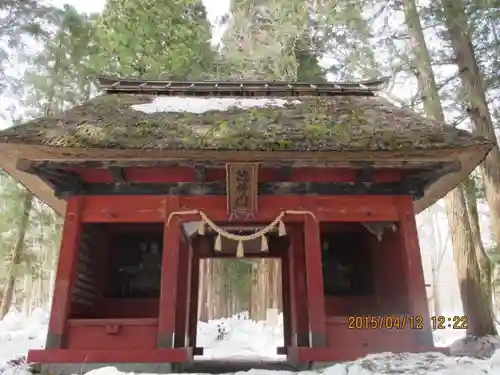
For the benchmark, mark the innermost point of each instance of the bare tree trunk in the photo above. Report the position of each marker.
(440, 250)
(208, 290)
(436, 302)
(478, 111)
(275, 275)
(17, 251)
(476, 304)
(483, 259)
(28, 294)
(256, 312)
(484, 262)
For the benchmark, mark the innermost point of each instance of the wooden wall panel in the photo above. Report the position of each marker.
(86, 288)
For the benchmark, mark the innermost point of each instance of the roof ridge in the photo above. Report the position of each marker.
(239, 88)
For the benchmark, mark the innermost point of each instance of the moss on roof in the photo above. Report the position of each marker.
(316, 124)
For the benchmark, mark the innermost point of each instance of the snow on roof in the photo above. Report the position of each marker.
(202, 105)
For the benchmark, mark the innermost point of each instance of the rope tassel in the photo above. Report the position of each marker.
(205, 221)
(239, 250)
(218, 243)
(281, 228)
(201, 228)
(264, 246)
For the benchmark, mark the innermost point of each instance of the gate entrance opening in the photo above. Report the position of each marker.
(240, 309)
(240, 292)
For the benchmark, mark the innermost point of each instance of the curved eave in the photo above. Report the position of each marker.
(469, 158)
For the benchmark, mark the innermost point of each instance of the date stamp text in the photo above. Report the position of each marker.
(416, 322)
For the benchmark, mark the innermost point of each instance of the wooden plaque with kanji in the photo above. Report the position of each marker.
(242, 181)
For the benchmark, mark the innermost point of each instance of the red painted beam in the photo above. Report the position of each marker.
(185, 174)
(170, 269)
(109, 321)
(141, 209)
(300, 312)
(314, 282)
(66, 273)
(183, 278)
(285, 291)
(193, 300)
(180, 355)
(417, 294)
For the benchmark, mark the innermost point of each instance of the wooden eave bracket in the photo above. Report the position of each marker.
(118, 175)
(419, 180)
(61, 181)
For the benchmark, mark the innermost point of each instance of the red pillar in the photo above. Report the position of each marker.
(298, 288)
(314, 278)
(286, 302)
(189, 292)
(170, 264)
(193, 301)
(417, 296)
(65, 276)
(181, 312)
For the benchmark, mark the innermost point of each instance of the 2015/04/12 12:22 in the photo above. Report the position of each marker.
(447, 322)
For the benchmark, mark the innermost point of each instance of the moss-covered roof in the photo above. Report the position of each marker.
(314, 124)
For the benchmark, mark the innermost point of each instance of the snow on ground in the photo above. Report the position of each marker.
(18, 334)
(244, 339)
(239, 338)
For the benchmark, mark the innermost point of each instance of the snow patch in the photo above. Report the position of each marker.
(202, 105)
(245, 338)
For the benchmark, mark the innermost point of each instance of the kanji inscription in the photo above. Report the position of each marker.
(242, 180)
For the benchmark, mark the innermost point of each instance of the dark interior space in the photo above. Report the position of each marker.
(118, 271)
(347, 260)
(134, 262)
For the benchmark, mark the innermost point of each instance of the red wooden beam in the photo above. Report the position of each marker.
(417, 295)
(186, 174)
(181, 313)
(193, 298)
(300, 312)
(314, 277)
(109, 321)
(180, 355)
(66, 274)
(170, 265)
(189, 294)
(285, 291)
(141, 209)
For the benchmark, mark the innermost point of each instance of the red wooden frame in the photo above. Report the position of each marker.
(144, 209)
(314, 283)
(66, 269)
(170, 269)
(185, 174)
(414, 271)
(181, 355)
(307, 326)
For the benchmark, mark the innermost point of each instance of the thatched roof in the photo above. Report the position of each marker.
(134, 124)
(338, 123)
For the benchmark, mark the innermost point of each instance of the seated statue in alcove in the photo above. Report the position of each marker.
(145, 277)
(337, 277)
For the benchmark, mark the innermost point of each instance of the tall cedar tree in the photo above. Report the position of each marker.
(476, 304)
(453, 13)
(271, 41)
(18, 19)
(156, 39)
